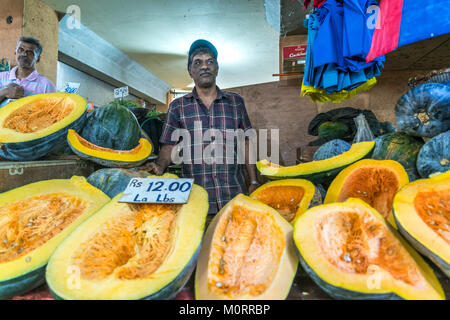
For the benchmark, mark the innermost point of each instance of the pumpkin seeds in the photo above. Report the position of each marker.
(347, 258)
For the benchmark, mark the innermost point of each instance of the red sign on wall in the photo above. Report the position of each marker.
(294, 52)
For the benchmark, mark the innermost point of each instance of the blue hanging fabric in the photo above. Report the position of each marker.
(339, 38)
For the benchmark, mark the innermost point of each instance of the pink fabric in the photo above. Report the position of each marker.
(386, 35)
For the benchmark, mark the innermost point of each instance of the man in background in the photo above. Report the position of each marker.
(24, 80)
(214, 109)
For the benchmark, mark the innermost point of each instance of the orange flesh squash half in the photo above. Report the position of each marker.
(29, 223)
(354, 243)
(376, 186)
(374, 181)
(349, 245)
(132, 245)
(285, 199)
(92, 146)
(247, 249)
(38, 115)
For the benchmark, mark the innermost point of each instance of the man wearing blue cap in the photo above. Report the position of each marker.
(207, 107)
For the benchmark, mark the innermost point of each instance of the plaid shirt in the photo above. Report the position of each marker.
(222, 181)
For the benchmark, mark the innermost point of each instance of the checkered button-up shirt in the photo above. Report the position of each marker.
(221, 174)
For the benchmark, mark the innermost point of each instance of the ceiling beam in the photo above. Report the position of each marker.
(286, 16)
(86, 51)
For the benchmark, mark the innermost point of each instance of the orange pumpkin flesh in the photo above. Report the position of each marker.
(27, 224)
(92, 146)
(433, 207)
(351, 252)
(355, 242)
(374, 181)
(132, 245)
(284, 199)
(245, 255)
(376, 186)
(40, 114)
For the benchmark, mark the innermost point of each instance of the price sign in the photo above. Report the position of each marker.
(121, 92)
(71, 87)
(154, 190)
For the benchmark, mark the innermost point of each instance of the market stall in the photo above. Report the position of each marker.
(364, 214)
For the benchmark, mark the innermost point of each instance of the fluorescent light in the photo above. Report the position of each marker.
(227, 53)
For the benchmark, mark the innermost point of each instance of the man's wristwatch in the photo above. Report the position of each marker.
(254, 182)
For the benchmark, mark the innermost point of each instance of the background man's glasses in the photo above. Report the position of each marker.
(29, 53)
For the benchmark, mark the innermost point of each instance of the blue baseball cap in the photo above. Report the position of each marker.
(201, 43)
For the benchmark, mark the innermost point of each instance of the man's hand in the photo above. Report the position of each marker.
(13, 91)
(160, 165)
(153, 167)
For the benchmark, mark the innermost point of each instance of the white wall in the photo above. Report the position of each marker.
(92, 89)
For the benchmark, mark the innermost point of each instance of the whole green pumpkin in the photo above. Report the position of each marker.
(400, 147)
(424, 111)
(331, 149)
(113, 127)
(434, 156)
(113, 181)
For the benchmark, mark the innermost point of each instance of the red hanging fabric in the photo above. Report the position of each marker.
(385, 37)
(316, 4)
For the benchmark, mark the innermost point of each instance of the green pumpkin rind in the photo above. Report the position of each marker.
(326, 175)
(113, 181)
(342, 293)
(400, 147)
(113, 127)
(330, 130)
(434, 156)
(424, 110)
(22, 284)
(109, 163)
(107, 157)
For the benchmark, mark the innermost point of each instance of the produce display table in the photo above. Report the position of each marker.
(303, 288)
(16, 174)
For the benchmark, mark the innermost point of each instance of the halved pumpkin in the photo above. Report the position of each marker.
(422, 212)
(130, 251)
(109, 157)
(290, 197)
(350, 251)
(374, 181)
(33, 126)
(247, 253)
(34, 219)
(321, 171)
